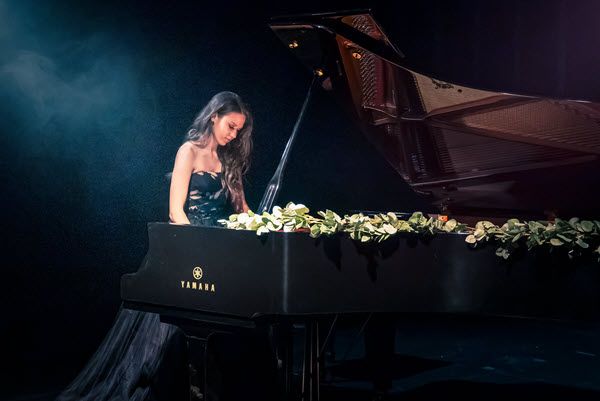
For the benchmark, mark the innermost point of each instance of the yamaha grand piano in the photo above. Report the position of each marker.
(469, 152)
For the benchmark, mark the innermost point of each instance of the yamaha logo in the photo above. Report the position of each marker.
(196, 284)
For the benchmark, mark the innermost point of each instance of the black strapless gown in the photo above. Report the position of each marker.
(140, 357)
(207, 199)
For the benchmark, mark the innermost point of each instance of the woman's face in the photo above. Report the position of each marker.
(227, 127)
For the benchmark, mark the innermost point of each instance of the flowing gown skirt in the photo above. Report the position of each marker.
(139, 359)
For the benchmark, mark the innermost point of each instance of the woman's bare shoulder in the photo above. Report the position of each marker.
(186, 154)
(187, 150)
(187, 147)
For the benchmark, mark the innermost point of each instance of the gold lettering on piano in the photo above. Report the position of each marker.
(194, 285)
(197, 273)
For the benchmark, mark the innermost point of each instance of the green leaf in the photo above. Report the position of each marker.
(404, 226)
(587, 226)
(503, 252)
(535, 226)
(274, 225)
(262, 230)
(582, 243)
(564, 238)
(513, 223)
(416, 217)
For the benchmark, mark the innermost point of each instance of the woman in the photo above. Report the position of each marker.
(142, 358)
(206, 185)
(211, 162)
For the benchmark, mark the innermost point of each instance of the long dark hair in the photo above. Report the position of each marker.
(235, 156)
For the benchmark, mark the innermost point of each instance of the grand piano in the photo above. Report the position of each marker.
(468, 152)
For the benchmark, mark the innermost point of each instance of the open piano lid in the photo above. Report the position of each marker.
(471, 151)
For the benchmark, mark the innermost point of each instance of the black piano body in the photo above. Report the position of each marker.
(467, 151)
(239, 275)
(209, 280)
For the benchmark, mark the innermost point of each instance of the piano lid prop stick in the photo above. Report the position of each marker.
(272, 190)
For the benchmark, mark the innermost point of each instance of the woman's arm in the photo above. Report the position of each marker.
(180, 181)
(245, 207)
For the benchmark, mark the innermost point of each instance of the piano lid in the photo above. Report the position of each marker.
(470, 151)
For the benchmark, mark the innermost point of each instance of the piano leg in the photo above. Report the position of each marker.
(196, 366)
(311, 362)
(281, 336)
(380, 334)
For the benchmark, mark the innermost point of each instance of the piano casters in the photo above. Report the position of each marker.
(272, 190)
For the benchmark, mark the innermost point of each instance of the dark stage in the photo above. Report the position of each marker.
(460, 357)
(96, 98)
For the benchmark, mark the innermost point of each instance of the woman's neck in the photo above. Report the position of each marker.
(209, 145)
(212, 144)
(208, 152)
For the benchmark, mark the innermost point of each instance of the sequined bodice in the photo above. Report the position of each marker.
(207, 199)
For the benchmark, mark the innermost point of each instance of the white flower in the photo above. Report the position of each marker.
(243, 218)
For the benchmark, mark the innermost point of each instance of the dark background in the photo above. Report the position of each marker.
(96, 97)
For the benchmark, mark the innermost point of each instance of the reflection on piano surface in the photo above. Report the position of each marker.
(469, 151)
(472, 151)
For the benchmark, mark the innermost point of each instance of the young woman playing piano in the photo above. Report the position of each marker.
(209, 166)
(142, 358)
(206, 186)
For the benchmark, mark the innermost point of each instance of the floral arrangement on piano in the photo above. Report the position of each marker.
(575, 236)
